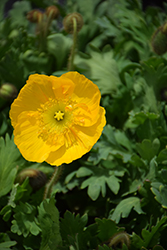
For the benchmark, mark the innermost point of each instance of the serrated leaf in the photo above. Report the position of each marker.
(72, 229)
(106, 229)
(149, 238)
(16, 194)
(147, 149)
(124, 208)
(108, 145)
(49, 223)
(107, 26)
(9, 155)
(104, 75)
(25, 221)
(137, 242)
(72, 224)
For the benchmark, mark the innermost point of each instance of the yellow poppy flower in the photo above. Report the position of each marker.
(57, 119)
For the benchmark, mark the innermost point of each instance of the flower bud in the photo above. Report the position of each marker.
(8, 91)
(52, 12)
(34, 16)
(68, 22)
(159, 40)
(119, 239)
(37, 179)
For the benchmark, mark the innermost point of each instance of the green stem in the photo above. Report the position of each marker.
(52, 181)
(42, 38)
(44, 25)
(71, 59)
(47, 25)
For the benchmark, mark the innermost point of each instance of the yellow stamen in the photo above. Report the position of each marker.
(59, 115)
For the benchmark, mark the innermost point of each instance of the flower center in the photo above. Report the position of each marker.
(55, 119)
(59, 115)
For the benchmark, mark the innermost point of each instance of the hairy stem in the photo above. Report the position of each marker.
(52, 181)
(71, 58)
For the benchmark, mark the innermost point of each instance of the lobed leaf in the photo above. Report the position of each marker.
(25, 221)
(49, 224)
(124, 208)
(106, 75)
(9, 155)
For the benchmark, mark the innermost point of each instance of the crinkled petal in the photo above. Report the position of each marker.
(85, 137)
(37, 91)
(86, 93)
(63, 88)
(40, 135)
(27, 139)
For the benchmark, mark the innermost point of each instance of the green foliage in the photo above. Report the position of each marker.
(160, 191)
(17, 192)
(111, 144)
(98, 181)
(106, 229)
(25, 221)
(124, 207)
(6, 245)
(49, 223)
(106, 75)
(59, 46)
(150, 237)
(72, 229)
(17, 13)
(9, 155)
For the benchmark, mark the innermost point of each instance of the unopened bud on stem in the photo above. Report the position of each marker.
(37, 179)
(34, 16)
(119, 239)
(52, 12)
(159, 40)
(8, 91)
(68, 22)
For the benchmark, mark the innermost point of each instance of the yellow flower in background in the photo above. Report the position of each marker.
(57, 119)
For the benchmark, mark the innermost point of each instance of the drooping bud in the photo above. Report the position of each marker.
(159, 40)
(37, 179)
(68, 22)
(52, 12)
(34, 16)
(8, 91)
(119, 239)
